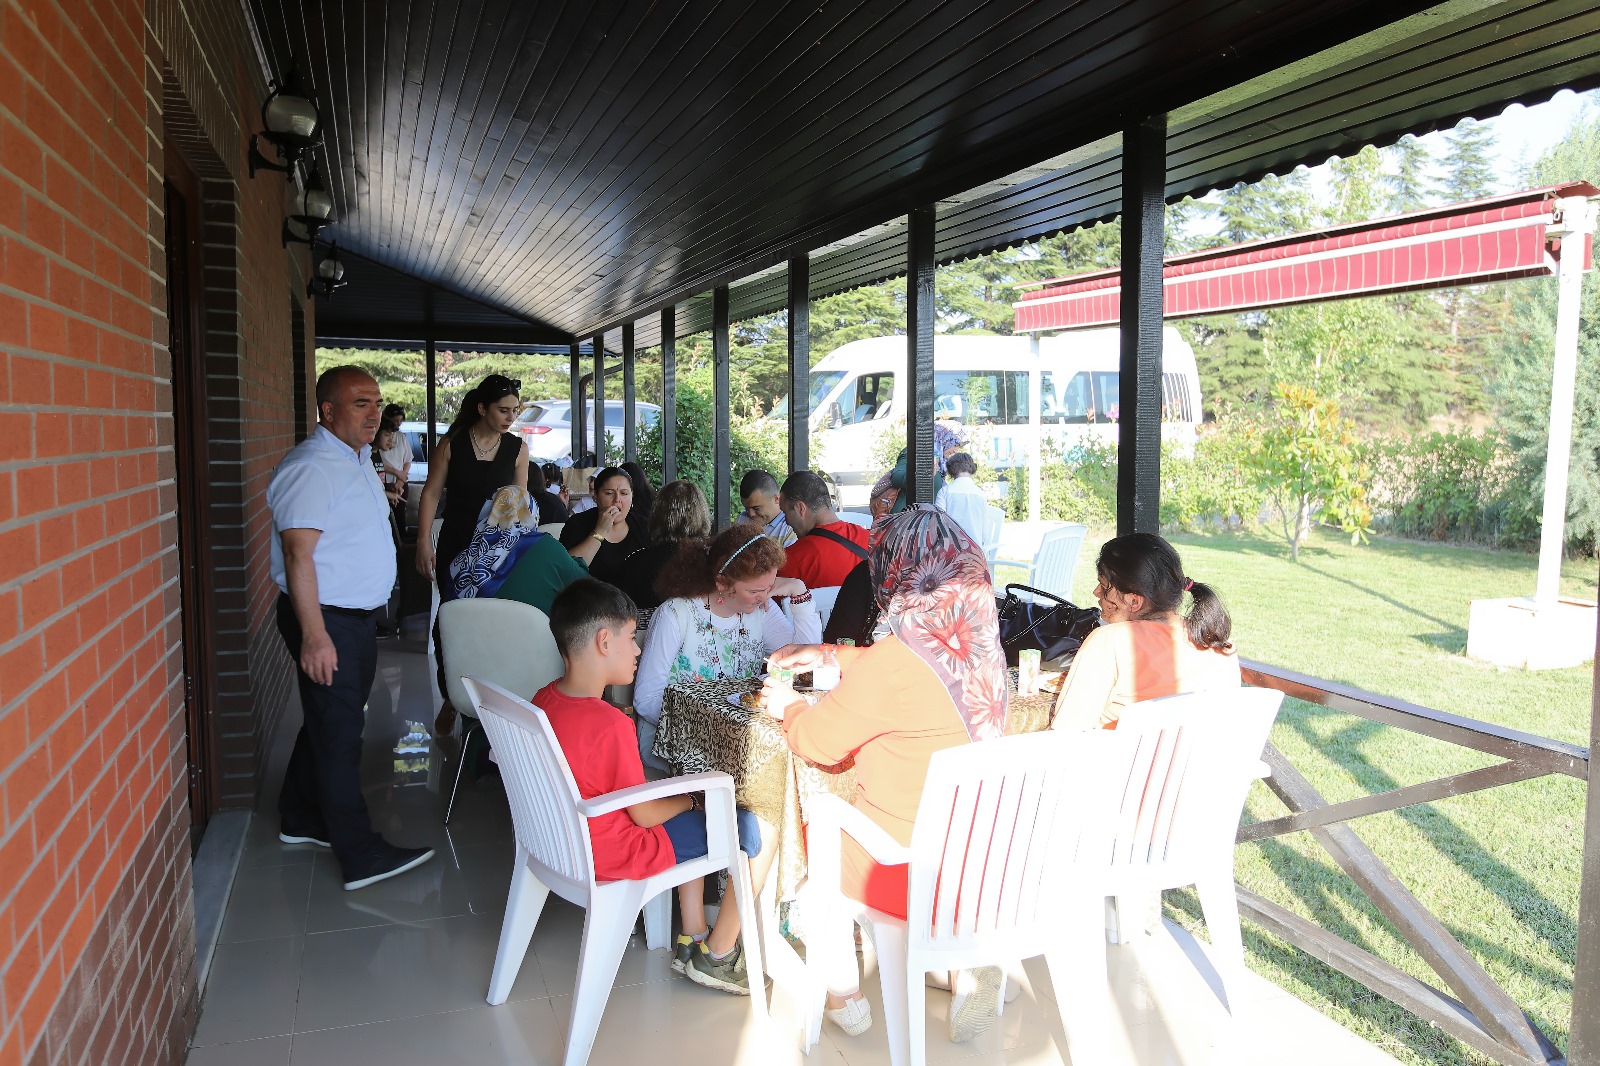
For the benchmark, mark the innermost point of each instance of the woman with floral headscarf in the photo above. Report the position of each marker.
(509, 559)
(936, 679)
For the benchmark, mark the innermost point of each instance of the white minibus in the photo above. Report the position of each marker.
(985, 385)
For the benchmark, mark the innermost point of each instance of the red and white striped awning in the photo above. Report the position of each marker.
(1497, 239)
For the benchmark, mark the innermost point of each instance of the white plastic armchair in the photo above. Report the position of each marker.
(554, 854)
(504, 641)
(1008, 838)
(825, 598)
(1196, 756)
(856, 518)
(1056, 560)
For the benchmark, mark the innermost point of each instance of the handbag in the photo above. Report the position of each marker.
(1055, 627)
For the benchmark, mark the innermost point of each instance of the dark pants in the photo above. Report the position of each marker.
(322, 787)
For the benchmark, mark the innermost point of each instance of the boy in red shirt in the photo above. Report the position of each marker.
(593, 624)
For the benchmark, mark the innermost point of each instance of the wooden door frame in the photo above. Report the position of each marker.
(193, 491)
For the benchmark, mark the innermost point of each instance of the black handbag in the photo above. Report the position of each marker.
(1050, 624)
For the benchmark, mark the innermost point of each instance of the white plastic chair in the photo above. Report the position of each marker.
(1197, 754)
(1056, 560)
(1004, 833)
(433, 610)
(553, 528)
(855, 518)
(504, 641)
(825, 598)
(554, 854)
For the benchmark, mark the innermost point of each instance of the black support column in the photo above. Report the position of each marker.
(669, 394)
(599, 399)
(575, 399)
(916, 390)
(800, 363)
(721, 462)
(430, 359)
(630, 419)
(1144, 181)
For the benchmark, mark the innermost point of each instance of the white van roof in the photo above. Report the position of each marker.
(1096, 349)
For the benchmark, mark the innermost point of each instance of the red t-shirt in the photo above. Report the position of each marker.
(602, 750)
(822, 563)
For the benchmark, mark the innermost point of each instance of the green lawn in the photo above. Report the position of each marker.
(1500, 868)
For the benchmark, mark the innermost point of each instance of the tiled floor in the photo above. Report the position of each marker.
(307, 974)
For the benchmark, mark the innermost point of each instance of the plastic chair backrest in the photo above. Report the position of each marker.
(539, 786)
(553, 528)
(855, 518)
(1057, 559)
(1196, 756)
(1000, 827)
(991, 530)
(503, 641)
(824, 598)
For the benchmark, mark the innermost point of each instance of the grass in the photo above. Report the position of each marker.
(1500, 868)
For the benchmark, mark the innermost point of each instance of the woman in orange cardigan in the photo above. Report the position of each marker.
(937, 679)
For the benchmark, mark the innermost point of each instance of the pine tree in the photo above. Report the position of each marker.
(1468, 169)
(1272, 207)
(1408, 183)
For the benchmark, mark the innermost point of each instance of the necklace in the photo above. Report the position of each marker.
(494, 446)
(714, 645)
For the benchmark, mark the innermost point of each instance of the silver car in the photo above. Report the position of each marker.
(547, 426)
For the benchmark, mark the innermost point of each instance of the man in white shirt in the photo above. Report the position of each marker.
(334, 563)
(963, 500)
(758, 491)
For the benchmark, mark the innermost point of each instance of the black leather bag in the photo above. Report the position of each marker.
(1050, 624)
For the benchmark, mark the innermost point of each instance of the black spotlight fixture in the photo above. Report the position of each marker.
(292, 124)
(310, 209)
(330, 275)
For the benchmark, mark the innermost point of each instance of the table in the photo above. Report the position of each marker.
(700, 730)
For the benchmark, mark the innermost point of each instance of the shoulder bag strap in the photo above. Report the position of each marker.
(827, 534)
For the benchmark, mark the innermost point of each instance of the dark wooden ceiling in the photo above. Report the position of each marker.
(577, 165)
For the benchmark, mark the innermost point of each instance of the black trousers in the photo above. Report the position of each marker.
(322, 786)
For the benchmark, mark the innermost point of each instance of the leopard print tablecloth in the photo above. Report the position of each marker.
(700, 730)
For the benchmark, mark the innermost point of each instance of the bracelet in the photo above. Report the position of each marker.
(804, 597)
(600, 537)
(694, 802)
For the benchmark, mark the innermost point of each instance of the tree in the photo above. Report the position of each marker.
(1468, 166)
(1522, 354)
(1408, 184)
(1272, 207)
(753, 444)
(1309, 461)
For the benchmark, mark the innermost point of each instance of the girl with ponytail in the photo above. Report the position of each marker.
(1146, 646)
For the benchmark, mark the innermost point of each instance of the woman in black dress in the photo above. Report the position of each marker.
(604, 536)
(476, 457)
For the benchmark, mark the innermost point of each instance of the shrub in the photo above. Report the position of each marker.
(1212, 486)
(753, 444)
(1456, 485)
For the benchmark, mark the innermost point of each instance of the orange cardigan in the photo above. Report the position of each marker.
(891, 713)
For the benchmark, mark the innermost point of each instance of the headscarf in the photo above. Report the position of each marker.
(945, 439)
(507, 527)
(931, 584)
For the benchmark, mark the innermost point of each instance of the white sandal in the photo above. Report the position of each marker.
(854, 1018)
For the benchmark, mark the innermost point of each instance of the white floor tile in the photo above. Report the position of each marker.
(267, 901)
(513, 1034)
(251, 992)
(273, 1051)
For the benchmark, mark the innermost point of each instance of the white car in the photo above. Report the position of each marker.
(416, 435)
(547, 426)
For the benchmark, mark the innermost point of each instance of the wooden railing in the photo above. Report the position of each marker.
(1479, 1013)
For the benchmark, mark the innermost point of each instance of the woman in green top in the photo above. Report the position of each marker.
(509, 559)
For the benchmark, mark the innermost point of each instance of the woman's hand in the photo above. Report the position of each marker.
(425, 558)
(798, 657)
(609, 519)
(788, 586)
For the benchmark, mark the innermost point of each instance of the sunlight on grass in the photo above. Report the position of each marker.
(1500, 868)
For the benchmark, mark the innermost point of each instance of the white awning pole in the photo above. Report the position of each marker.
(1575, 217)
(1035, 430)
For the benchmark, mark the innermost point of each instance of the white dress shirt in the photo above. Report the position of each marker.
(326, 485)
(963, 500)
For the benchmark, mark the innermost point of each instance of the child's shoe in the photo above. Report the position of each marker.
(854, 1018)
(727, 973)
(682, 952)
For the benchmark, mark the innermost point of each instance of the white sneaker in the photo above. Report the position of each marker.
(855, 1017)
(973, 1010)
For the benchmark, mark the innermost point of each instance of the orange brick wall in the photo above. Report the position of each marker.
(96, 910)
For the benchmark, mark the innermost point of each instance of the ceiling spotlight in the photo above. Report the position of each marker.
(292, 124)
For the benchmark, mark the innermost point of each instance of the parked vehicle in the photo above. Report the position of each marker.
(416, 435)
(547, 426)
(983, 385)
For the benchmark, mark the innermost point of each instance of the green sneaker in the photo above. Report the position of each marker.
(727, 974)
(682, 951)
